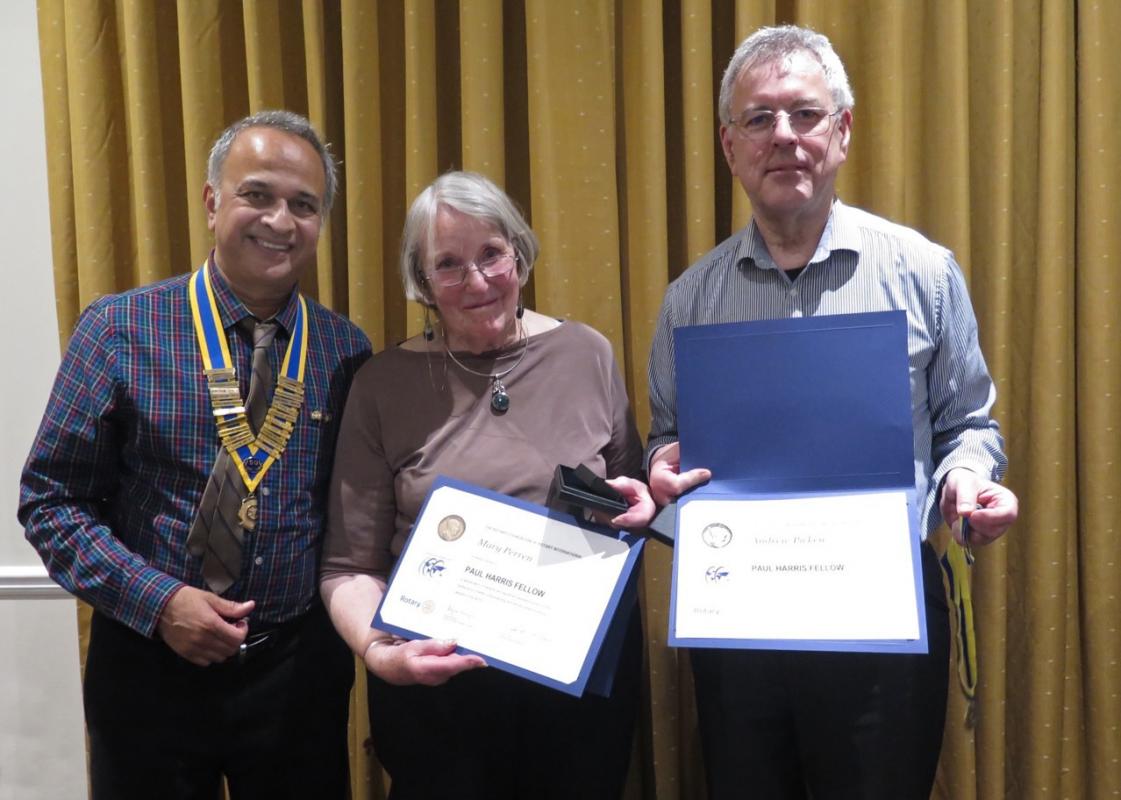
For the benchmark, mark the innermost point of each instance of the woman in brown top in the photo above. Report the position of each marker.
(496, 396)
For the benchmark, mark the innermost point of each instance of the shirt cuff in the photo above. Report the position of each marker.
(655, 444)
(144, 598)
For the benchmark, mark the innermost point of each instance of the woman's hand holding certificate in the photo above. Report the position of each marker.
(428, 662)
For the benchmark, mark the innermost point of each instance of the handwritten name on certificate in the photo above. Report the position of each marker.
(506, 582)
(819, 567)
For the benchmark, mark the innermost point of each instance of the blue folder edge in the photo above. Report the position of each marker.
(597, 674)
(697, 355)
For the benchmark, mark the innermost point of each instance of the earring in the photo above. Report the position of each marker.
(429, 334)
(519, 312)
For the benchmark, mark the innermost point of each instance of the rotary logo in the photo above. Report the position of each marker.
(716, 574)
(432, 567)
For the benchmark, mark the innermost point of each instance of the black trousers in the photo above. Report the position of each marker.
(489, 735)
(868, 726)
(274, 724)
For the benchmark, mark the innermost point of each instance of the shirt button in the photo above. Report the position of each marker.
(265, 491)
(258, 561)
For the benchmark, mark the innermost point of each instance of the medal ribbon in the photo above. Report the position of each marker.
(225, 395)
(956, 564)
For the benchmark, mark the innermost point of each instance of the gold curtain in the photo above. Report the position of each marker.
(988, 124)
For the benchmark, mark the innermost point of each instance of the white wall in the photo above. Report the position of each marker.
(42, 744)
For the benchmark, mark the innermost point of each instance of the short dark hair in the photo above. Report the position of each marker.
(289, 122)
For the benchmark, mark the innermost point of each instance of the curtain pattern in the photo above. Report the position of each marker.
(989, 125)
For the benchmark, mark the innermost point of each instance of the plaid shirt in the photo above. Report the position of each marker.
(128, 442)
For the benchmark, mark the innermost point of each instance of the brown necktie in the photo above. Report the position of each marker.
(216, 534)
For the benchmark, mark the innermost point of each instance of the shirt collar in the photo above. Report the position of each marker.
(845, 234)
(839, 234)
(232, 311)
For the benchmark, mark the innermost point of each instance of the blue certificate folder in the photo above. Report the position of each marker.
(597, 674)
(794, 408)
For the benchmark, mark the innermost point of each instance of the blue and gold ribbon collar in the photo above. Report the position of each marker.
(253, 455)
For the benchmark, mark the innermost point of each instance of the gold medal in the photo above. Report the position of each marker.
(247, 514)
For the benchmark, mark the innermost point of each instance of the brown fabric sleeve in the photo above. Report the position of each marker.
(623, 454)
(361, 506)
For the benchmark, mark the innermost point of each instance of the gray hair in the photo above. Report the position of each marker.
(779, 44)
(288, 122)
(471, 194)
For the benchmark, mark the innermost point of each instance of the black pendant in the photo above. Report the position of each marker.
(499, 400)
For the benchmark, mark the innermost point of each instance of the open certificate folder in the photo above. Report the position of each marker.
(533, 591)
(806, 538)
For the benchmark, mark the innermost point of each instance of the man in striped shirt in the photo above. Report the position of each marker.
(188, 680)
(779, 724)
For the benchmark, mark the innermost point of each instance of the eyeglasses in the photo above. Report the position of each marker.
(759, 124)
(493, 264)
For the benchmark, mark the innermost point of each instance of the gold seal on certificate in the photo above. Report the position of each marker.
(716, 535)
(451, 527)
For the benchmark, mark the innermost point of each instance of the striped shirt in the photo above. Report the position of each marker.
(863, 263)
(128, 442)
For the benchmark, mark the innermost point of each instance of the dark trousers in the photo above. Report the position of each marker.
(780, 725)
(274, 724)
(489, 735)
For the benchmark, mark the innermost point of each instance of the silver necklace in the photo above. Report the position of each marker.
(499, 397)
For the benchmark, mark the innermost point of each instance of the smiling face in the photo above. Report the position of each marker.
(480, 313)
(786, 176)
(265, 214)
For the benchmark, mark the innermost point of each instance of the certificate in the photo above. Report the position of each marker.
(532, 591)
(826, 572)
(807, 536)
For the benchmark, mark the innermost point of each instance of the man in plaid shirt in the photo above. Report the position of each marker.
(183, 685)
